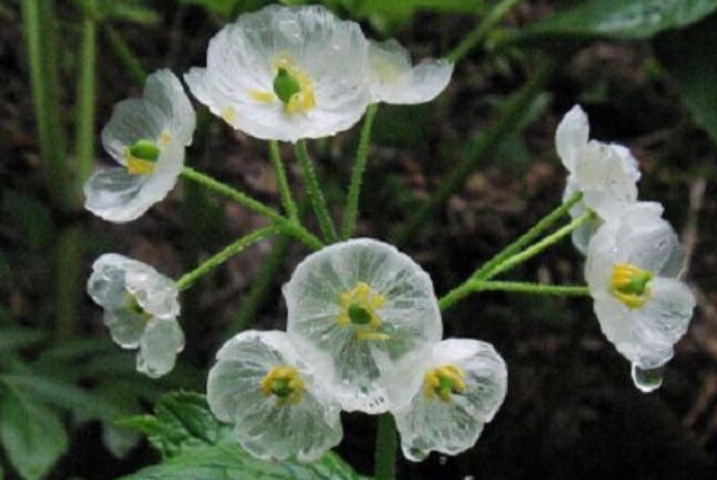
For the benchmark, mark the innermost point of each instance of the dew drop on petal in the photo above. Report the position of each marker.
(647, 380)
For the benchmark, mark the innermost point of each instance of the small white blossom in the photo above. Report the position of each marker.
(279, 410)
(606, 174)
(146, 137)
(286, 73)
(458, 391)
(633, 268)
(141, 310)
(394, 79)
(357, 308)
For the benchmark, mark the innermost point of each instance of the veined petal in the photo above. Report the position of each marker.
(265, 425)
(162, 340)
(164, 91)
(395, 80)
(358, 358)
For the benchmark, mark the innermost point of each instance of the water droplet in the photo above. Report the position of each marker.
(442, 460)
(469, 477)
(647, 380)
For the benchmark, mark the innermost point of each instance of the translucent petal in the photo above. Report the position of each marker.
(607, 178)
(154, 292)
(106, 285)
(571, 137)
(263, 426)
(452, 427)
(164, 90)
(582, 235)
(126, 327)
(395, 80)
(162, 340)
(241, 62)
(409, 318)
(132, 120)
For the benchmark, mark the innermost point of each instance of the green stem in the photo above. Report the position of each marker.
(479, 33)
(313, 191)
(480, 151)
(124, 53)
(86, 85)
(473, 286)
(528, 237)
(284, 189)
(188, 279)
(40, 36)
(352, 203)
(287, 226)
(546, 242)
(386, 446)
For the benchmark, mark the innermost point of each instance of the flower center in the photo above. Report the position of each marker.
(630, 285)
(142, 156)
(285, 384)
(134, 307)
(291, 85)
(442, 382)
(358, 309)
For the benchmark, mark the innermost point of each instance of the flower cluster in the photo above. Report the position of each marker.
(363, 334)
(634, 257)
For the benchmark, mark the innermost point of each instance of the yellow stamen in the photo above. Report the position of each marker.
(443, 382)
(229, 115)
(285, 384)
(630, 285)
(137, 166)
(262, 96)
(166, 138)
(358, 309)
(303, 100)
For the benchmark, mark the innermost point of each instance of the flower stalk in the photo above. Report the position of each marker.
(352, 202)
(188, 279)
(313, 190)
(386, 446)
(474, 286)
(284, 189)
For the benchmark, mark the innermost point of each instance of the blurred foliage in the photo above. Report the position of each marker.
(197, 446)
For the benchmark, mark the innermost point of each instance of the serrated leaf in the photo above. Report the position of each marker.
(197, 447)
(627, 19)
(32, 435)
(231, 463)
(690, 58)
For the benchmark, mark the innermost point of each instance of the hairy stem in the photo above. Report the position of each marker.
(86, 87)
(287, 226)
(313, 191)
(189, 278)
(352, 202)
(473, 286)
(386, 446)
(284, 189)
(528, 237)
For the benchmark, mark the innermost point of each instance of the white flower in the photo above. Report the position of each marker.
(141, 310)
(606, 174)
(357, 308)
(463, 385)
(286, 73)
(395, 80)
(265, 388)
(146, 137)
(633, 268)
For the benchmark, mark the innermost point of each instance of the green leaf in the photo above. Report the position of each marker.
(628, 19)
(128, 11)
(690, 58)
(197, 446)
(222, 7)
(32, 435)
(16, 338)
(231, 463)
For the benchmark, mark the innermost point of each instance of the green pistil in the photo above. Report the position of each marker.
(359, 315)
(285, 86)
(145, 150)
(281, 388)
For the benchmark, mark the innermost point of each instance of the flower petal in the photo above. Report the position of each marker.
(571, 137)
(159, 346)
(164, 91)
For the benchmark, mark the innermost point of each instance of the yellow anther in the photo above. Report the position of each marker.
(137, 166)
(166, 138)
(630, 285)
(443, 382)
(358, 309)
(285, 384)
(262, 96)
(229, 115)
